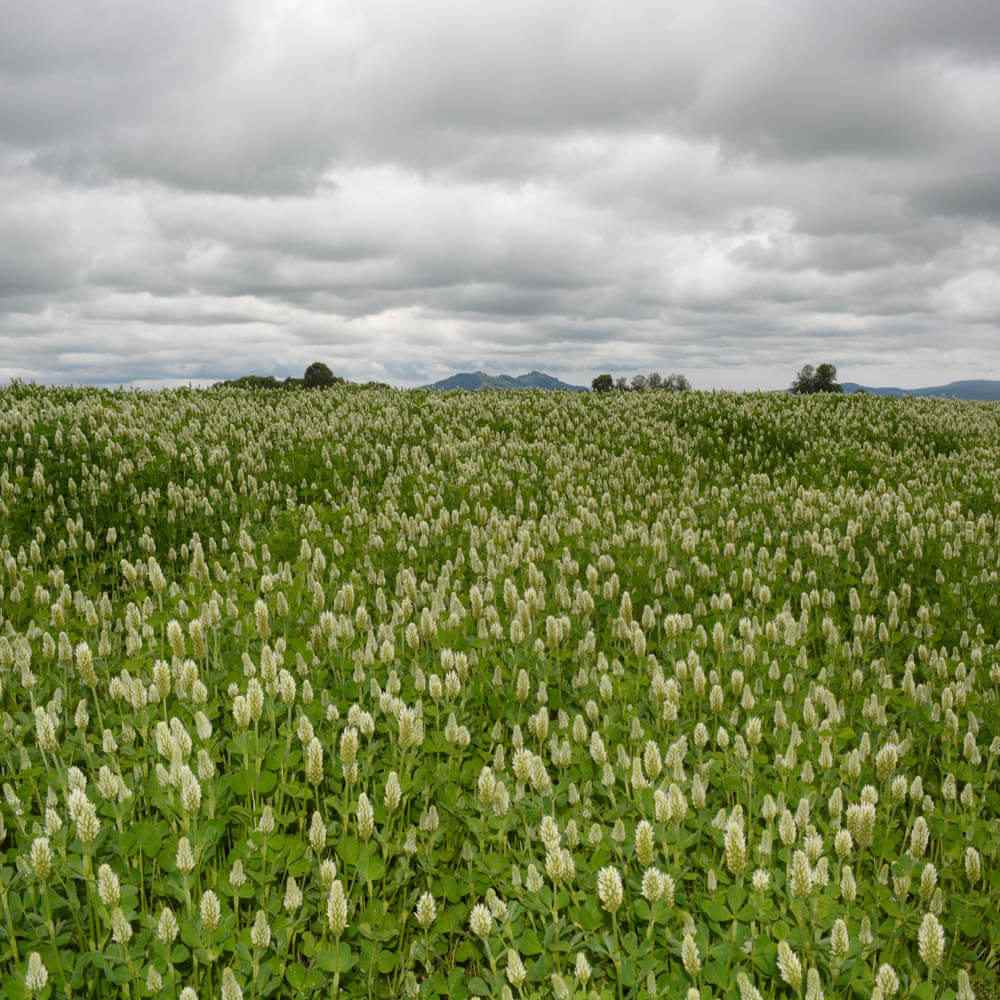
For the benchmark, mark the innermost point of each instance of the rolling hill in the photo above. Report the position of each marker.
(983, 390)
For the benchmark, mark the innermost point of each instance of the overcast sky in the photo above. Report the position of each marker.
(197, 189)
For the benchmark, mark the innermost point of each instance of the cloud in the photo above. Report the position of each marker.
(192, 191)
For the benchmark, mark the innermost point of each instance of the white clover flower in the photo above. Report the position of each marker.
(327, 873)
(185, 856)
(930, 941)
(800, 878)
(973, 865)
(336, 908)
(560, 988)
(37, 975)
(260, 932)
(265, 824)
(108, 888)
(210, 910)
(690, 957)
(314, 761)
(426, 911)
(843, 843)
(393, 792)
(840, 940)
(498, 908)
(887, 980)
(154, 981)
(88, 826)
(787, 829)
(480, 921)
(789, 965)
(735, 847)
(41, 858)
(231, 989)
(645, 843)
(317, 833)
(516, 972)
(928, 880)
(609, 889)
(293, 895)
(919, 837)
(964, 991)
(366, 817)
(121, 929)
(848, 886)
(237, 875)
(548, 830)
(653, 884)
(814, 986)
(167, 927)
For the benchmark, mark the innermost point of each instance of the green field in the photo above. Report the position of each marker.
(502, 694)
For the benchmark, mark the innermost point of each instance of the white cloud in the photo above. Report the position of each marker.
(193, 192)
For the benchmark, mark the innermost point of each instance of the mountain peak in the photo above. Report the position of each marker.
(475, 381)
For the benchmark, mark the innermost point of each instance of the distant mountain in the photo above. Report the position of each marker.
(480, 380)
(983, 390)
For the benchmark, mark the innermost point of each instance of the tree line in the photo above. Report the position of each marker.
(316, 376)
(822, 378)
(640, 383)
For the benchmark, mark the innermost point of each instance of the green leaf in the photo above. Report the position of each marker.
(735, 895)
(349, 849)
(628, 973)
(715, 910)
(339, 958)
(296, 976)
(528, 943)
(265, 782)
(588, 917)
(465, 952)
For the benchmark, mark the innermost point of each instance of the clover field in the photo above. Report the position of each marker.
(399, 694)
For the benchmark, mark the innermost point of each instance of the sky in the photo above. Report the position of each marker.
(196, 190)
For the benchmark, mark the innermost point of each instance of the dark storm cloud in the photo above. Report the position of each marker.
(191, 191)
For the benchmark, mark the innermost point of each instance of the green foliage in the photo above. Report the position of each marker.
(260, 382)
(550, 619)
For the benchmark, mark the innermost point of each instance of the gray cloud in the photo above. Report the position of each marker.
(193, 191)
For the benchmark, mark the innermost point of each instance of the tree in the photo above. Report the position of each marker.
(804, 380)
(319, 376)
(603, 383)
(820, 379)
(655, 380)
(621, 383)
(826, 379)
(676, 383)
(638, 382)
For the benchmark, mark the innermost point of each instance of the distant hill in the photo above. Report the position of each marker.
(480, 380)
(983, 390)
